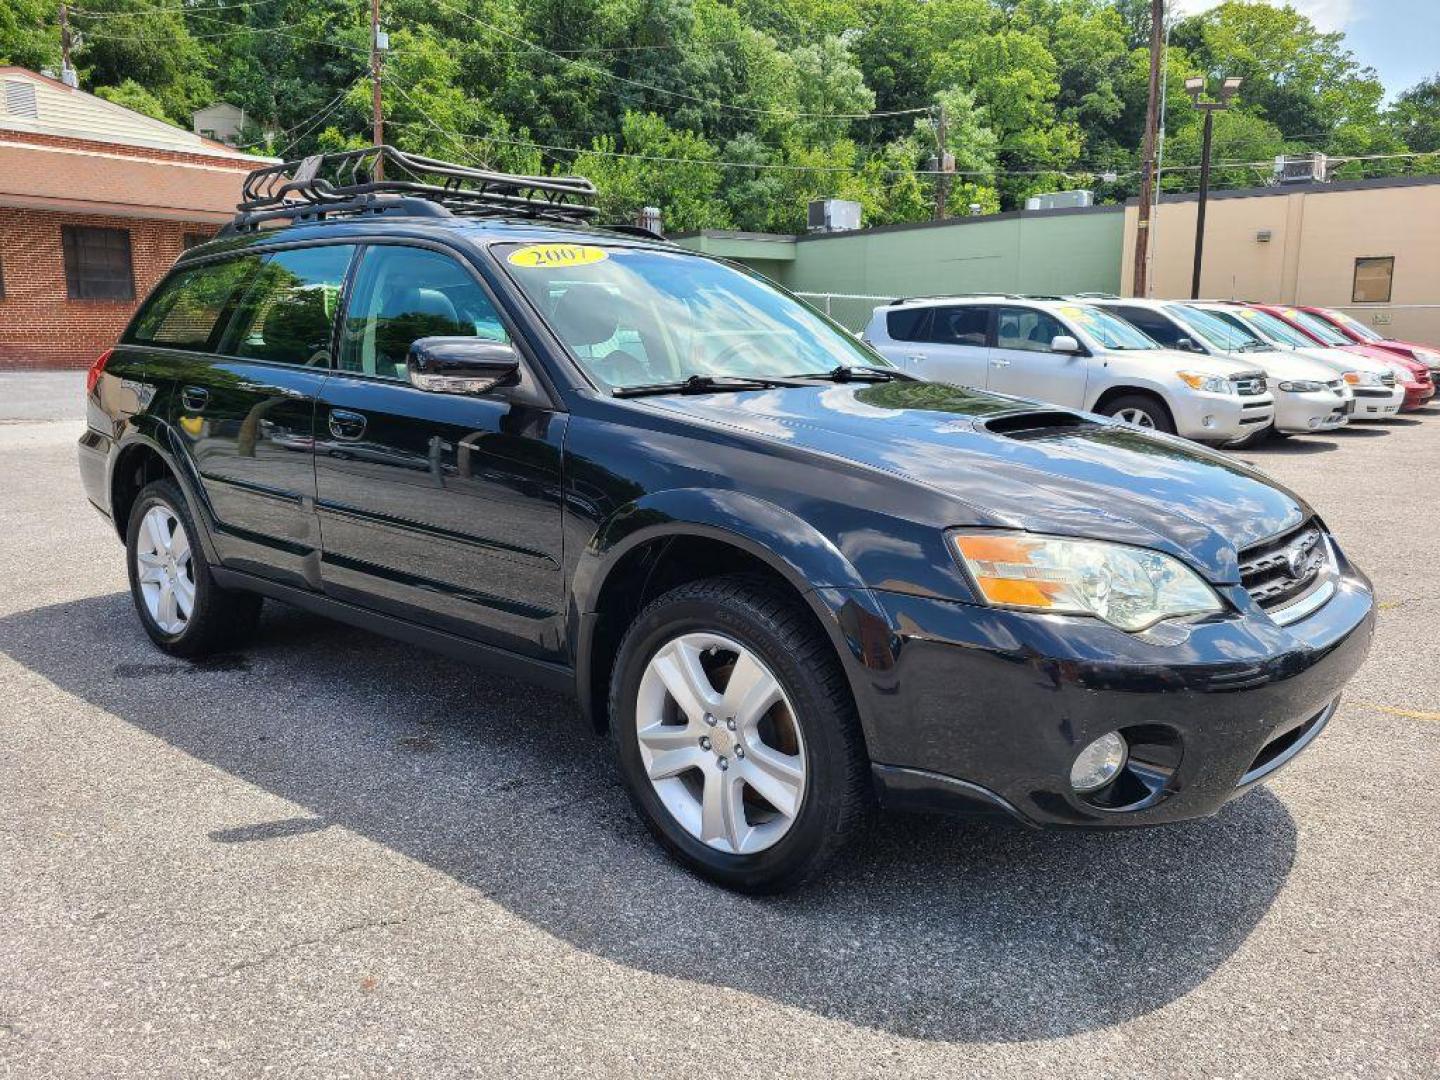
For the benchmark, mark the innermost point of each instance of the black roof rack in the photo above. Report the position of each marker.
(384, 180)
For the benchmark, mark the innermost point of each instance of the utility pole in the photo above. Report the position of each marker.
(1195, 87)
(377, 62)
(1147, 165)
(67, 69)
(942, 182)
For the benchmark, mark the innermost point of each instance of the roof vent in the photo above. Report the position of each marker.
(20, 99)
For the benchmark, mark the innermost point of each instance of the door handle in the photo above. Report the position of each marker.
(916, 356)
(194, 398)
(346, 425)
(999, 363)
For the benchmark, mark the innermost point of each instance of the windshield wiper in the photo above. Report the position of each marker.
(705, 384)
(858, 373)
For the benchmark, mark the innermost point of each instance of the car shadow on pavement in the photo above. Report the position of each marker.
(929, 928)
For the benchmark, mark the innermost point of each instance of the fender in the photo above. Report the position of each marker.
(156, 435)
(783, 541)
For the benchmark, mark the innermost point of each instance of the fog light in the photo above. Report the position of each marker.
(1207, 421)
(1099, 763)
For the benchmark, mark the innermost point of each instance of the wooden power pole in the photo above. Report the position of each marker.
(377, 62)
(1147, 166)
(67, 68)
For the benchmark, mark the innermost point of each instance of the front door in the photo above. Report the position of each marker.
(439, 508)
(1022, 362)
(245, 412)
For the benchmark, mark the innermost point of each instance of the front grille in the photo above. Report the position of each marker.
(1283, 569)
(1387, 378)
(1249, 383)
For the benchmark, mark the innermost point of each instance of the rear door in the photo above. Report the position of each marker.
(1022, 362)
(439, 508)
(956, 349)
(245, 411)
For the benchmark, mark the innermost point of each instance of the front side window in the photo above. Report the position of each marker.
(97, 263)
(1026, 329)
(1317, 326)
(636, 316)
(967, 325)
(1373, 277)
(287, 312)
(402, 294)
(184, 312)
(1108, 331)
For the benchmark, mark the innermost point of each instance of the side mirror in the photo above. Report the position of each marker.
(1064, 343)
(1186, 344)
(461, 365)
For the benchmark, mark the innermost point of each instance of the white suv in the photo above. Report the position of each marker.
(1073, 354)
(1309, 396)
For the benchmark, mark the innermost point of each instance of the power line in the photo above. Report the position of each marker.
(314, 119)
(785, 113)
(140, 12)
(235, 29)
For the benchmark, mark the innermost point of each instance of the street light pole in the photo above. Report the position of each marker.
(1195, 87)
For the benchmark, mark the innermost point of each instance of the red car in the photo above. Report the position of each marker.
(1361, 334)
(1411, 374)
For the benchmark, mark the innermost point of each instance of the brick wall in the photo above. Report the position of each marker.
(39, 325)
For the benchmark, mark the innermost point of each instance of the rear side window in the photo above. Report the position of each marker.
(184, 312)
(960, 326)
(287, 312)
(1152, 322)
(906, 324)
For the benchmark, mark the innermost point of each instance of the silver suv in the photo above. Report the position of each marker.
(1072, 353)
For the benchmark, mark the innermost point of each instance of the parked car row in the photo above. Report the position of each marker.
(1219, 372)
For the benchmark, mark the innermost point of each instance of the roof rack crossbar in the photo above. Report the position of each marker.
(347, 183)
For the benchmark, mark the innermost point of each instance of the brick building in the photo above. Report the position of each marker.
(96, 203)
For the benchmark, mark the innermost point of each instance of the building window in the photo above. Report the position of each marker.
(1372, 280)
(97, 263)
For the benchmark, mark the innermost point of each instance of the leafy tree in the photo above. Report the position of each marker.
(1415, 116)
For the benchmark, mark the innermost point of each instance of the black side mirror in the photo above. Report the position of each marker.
(461, 365)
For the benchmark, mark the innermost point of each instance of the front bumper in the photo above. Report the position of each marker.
(984, 709)
(1417, 395)
(1377, 402)
(1319, 410)
(1220, 418)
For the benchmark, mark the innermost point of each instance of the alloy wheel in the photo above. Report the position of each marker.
(1138, 417)
(165, 569)
(720, 743)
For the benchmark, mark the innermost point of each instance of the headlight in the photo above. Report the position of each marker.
(1130, 588)
(1363, 378)
(1302, 386)
(1215, 384)
(1429, 357)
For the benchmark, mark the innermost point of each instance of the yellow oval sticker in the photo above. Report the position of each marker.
(545, 255)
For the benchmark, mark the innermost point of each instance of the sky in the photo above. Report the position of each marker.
(1400, 39)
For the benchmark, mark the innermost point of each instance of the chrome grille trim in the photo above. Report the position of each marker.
(1291, 575)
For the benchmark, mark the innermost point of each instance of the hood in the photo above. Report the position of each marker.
(1387, 357)
(1203, 363)
(1290, 365)
(1341, 359)
(1019, 464)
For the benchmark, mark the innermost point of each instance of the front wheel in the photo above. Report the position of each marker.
(180, 606)
(736, 733)
(1142, 411)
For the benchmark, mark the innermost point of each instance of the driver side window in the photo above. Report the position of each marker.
(1026, 329)
(402, 294)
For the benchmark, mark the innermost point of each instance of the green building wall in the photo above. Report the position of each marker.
(1046, 251)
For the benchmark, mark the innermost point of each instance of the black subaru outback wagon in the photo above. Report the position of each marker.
(792, 583)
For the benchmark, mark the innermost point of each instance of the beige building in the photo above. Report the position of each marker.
(1369, 247)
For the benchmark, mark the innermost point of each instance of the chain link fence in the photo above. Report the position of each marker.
(850, 310)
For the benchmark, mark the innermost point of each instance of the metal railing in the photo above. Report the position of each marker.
(852, 310)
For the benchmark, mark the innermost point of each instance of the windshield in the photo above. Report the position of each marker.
(1109, 331)
(1317, 326)
(638, 317)
(1355, 326)
(1269, 327)
(1225, 336)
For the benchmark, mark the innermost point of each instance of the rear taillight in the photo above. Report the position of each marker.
(93, 375)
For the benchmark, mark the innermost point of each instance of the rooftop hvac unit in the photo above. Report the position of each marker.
(833, 215)
(1058, 200)
(1300, 168)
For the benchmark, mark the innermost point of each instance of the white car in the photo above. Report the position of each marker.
(1378, 394)
(1309, 396)
(1073, 354)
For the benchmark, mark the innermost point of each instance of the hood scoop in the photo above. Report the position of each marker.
(1037, 423)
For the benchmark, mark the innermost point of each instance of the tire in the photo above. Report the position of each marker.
(164, 556)
(1152, 409)
(811, 724)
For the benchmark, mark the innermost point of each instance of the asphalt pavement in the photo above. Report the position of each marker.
(335, 855)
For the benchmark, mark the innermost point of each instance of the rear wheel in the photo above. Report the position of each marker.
(1142, 411)
(180, 606)
(736, 733)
